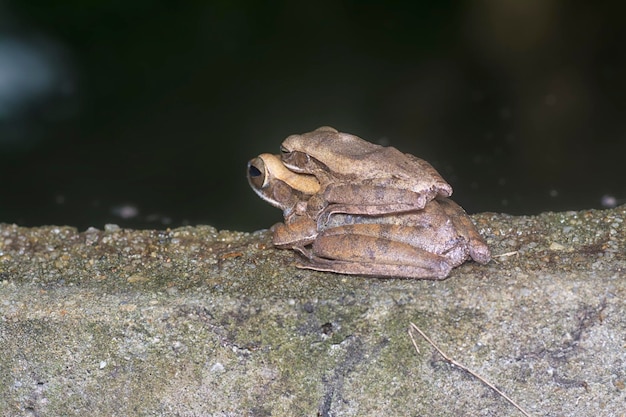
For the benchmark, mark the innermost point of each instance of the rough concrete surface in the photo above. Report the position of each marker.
(197, 322)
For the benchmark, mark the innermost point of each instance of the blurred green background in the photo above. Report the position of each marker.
(144, 113)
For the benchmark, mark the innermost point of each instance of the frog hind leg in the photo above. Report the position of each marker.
(372, 270)
(373, 199)
(371, 256)
(478, 249)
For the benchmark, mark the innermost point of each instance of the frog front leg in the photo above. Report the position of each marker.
(299, 232)
(357, 250)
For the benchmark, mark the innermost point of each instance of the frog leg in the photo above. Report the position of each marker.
(478, 249)
(373, 199)
(335, 250)
(295, 234)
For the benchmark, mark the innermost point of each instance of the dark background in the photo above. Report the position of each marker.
(145, 113)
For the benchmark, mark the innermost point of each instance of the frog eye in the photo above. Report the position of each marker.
(256, 173)
(283, 149)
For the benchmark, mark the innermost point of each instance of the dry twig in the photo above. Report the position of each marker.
(457, 364)
(502, 255)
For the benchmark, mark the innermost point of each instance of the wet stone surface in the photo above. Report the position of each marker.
(196, 321)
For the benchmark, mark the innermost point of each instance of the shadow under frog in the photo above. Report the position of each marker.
(425, 243)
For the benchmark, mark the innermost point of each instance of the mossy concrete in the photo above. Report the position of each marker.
(197, 322)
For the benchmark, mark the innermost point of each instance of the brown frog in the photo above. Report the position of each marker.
(359, 177)
(425, 243)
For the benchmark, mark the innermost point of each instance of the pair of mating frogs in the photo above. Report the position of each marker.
(354, 207)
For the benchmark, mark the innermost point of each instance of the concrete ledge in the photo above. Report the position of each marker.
(196, 322)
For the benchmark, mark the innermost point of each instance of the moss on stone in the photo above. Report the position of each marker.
(195, 321)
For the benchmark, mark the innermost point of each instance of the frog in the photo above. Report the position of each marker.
(420, 244)
(360, 177)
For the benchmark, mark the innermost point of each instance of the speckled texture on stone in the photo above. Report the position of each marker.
(196, 322)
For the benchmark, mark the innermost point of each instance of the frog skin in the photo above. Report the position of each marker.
(424, 244)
